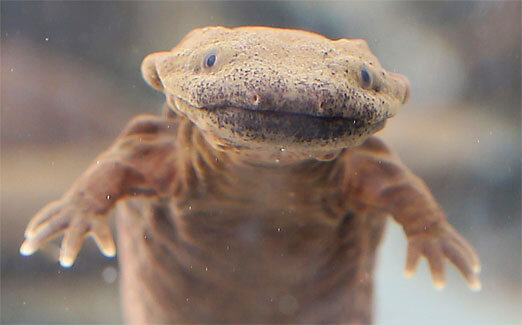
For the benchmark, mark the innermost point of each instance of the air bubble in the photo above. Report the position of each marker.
(109, 274)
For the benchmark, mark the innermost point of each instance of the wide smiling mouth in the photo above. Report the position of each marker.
(298, 127)
(368, 116)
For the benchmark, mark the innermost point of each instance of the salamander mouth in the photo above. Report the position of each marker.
(267, 124)
(252, 127)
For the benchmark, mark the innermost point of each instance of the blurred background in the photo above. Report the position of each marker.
(70, 81)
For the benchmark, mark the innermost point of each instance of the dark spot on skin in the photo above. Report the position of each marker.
(345, 223)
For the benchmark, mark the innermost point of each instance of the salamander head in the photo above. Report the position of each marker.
(264, 89)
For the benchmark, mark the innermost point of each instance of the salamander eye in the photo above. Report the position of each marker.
(366, 78)
(209, 60)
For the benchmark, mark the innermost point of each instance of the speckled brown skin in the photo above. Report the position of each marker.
(260, 196)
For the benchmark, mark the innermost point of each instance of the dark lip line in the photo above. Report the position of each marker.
(286, 113)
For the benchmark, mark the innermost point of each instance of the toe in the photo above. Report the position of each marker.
(71, 244)
(412, 259)
(44, 233)
(435, 257)
(458, 256)
(42, 217)
(101, 234)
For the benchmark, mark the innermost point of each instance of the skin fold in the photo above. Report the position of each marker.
(261, 194)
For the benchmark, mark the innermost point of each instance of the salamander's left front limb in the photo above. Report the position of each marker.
(126, 168)
(376, 177)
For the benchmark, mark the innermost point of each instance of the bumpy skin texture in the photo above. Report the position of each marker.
(260, 195)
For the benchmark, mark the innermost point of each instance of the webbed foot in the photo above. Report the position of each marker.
(76, 220)
(438, 242)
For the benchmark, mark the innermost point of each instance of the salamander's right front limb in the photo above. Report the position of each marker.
(83, 210)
